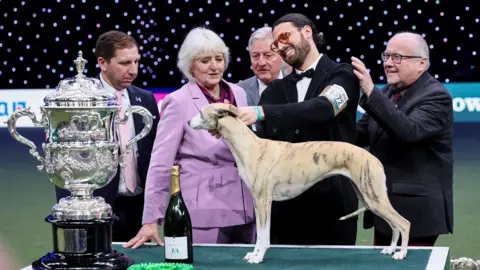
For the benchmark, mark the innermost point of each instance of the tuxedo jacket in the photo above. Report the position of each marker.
(313, 120)
(138, 97)
(414, 143)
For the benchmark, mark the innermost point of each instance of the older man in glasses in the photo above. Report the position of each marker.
(408, 126)
(317, 101)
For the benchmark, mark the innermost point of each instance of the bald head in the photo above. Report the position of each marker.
(406, 58)
(416, 42)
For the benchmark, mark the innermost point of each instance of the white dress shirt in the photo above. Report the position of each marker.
(122, 190)
(262, 86)
(302, 85)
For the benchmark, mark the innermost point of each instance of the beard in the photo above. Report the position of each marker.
(300, 53)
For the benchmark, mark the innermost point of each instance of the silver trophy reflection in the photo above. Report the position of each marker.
(80, 119)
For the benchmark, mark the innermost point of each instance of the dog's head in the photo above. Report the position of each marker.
(210, 114)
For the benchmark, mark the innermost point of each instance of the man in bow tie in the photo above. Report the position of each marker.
(317, 101)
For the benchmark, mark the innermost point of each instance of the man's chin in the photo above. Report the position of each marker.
(392, 79)
(264, 76)
(125, 85)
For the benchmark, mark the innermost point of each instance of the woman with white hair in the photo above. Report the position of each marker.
(219, 203)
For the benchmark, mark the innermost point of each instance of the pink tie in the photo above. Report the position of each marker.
(130, 176)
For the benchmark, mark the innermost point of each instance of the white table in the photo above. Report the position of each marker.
(437, 261)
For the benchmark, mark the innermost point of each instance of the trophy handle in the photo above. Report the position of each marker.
(147, 120)
(12, 125)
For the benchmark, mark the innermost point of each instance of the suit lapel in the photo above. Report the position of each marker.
(198, 97)
(239, 102)
(378, 131)
(290, 89)
(406, 102)
(319, 77)
(254, 91)
(136, 100)
(408, 98)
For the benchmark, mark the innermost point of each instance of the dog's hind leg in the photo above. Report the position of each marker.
(393, 243)
(399, 225)
(263, 217)
(405, 231)
(378, 202)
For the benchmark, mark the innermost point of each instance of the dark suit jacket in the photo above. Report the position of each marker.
(145, 99)
(313, 120)
(414, 143)
(252, 89)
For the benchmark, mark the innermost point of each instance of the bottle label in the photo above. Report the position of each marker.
(176, 248)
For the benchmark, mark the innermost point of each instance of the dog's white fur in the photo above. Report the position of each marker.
(275, 170)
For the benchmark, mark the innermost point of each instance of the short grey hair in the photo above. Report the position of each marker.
(260, 34)
(264, 33)
(421, 45)
(198, 41)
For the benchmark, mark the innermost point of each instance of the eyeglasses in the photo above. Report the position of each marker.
(397, 58)
(282, 38)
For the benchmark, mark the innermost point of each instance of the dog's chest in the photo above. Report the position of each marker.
(283, 192)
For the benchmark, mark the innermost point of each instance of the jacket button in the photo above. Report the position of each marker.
(274, 130)
(297, 131)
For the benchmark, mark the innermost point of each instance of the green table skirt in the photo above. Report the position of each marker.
(231, 257)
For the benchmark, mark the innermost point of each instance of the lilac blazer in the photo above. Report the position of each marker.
(211, 186)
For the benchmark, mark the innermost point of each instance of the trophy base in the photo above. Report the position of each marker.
(82, 244)
(58, 261)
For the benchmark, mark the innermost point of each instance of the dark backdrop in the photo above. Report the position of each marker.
(40, 39)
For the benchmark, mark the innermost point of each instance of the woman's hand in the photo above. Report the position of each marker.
(146, 233)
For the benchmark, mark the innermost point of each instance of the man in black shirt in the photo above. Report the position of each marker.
(316, 102)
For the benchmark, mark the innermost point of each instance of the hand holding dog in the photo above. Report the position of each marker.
(363, 75)
(249, 115)
(214, 132)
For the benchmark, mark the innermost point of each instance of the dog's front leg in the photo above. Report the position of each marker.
(263, 217)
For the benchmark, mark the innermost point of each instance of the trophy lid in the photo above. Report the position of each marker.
(80, 91)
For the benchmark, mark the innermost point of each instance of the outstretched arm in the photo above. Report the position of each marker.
(342, 88)
(167, 142)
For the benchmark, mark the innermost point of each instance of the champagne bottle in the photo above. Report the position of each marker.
(177, 228)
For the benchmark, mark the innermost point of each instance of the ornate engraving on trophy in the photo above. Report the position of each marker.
(82, 127)
(72, 165)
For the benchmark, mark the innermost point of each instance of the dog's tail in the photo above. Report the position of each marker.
(359, 211)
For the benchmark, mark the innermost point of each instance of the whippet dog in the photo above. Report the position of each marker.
(275, 170)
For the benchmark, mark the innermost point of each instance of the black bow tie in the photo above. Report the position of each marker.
(297, 77)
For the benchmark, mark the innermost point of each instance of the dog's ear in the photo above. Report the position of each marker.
(230, 111)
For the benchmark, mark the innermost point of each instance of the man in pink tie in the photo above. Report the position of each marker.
(118, 58)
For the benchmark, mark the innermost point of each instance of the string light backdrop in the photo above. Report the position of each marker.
(40, 39)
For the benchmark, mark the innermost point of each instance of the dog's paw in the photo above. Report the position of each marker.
(250, 255)
(388, 250)
(255, 259)
(399, 255)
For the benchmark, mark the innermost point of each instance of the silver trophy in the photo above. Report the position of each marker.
(81, 151)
